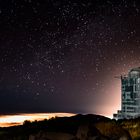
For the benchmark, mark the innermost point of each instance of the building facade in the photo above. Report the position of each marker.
(130, 95)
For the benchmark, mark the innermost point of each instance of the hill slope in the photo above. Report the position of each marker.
(79, 127)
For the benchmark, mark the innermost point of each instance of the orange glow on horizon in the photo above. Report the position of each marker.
(14, 120)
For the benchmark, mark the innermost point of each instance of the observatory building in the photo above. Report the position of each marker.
(130, 95)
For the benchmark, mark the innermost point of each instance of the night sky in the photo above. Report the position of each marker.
(63, 55)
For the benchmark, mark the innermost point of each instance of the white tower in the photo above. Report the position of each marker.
(130, 95)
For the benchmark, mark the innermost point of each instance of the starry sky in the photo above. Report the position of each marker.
(64, 55)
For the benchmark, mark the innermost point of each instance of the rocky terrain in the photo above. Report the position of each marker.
(83, 133)
(87, 131)
(79, 127)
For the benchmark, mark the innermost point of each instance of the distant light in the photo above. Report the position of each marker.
(13, 120)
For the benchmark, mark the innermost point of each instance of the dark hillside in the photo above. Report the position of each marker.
(80, 127)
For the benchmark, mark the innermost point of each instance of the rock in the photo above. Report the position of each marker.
(113, 131)
(89, 132)
(51, 136)
(84, 132)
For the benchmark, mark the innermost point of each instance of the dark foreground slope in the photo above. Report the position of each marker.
(79, 127)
